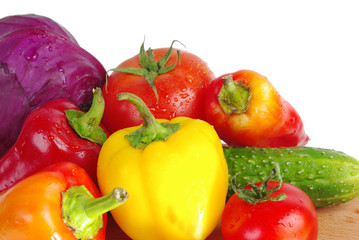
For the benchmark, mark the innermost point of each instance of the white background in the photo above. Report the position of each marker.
(309, 50)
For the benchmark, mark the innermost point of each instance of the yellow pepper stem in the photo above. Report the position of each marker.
(151, 130)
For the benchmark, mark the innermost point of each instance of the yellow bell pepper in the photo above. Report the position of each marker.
(175, 173)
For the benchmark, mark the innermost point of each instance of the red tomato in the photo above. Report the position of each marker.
(293, 218)
(181, 91)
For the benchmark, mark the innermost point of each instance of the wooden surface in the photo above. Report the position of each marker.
(335, 223)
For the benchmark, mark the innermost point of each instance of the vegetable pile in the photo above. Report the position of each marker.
(164, 145)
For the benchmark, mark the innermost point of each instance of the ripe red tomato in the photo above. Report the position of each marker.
(293, 218)
(181, 91)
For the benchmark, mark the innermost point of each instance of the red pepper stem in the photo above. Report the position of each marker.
(234, 96)
(229, 85)
(83, 213)
(93, 117)
(86, 125)
(151, 130)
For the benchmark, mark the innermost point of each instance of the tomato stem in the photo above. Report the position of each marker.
(262, 193)
(82, 213)
(150, 68)
(234, 96)
(151, 130)
(86, 125)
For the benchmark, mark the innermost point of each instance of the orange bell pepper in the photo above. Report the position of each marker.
(60, 202)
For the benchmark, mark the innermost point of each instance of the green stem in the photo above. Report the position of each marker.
(151, 130)
(99, 206)
(234, 96)
(86, 125)
(150, 68)
(82, 213)
(262, 193)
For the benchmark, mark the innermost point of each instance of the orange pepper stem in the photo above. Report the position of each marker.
(99, 206)
(234, 96)
(86, 125)
(151, 130)
(83, 213)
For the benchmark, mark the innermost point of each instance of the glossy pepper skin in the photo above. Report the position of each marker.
(246, 110)
(35, 208)
(177, 185)
(46, 138)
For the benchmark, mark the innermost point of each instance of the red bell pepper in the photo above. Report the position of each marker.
(58, 202)
(50, 135)
(246, 110)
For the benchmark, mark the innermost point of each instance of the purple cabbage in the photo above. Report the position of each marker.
(40, 61)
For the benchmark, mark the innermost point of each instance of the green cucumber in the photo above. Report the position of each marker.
(327, 176)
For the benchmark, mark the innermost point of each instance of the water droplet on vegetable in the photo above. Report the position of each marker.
(184, 95)
(172, 115)
(31, 57)
(189, 79)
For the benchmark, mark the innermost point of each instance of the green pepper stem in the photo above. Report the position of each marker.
(86, 125)
(82, 213)
(147, 116)
(151, 130)
(93, 117)
(234, 96)
(99, 206)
